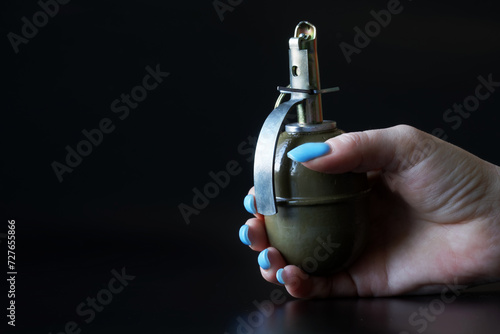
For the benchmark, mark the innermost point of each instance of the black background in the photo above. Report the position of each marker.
(119, 207)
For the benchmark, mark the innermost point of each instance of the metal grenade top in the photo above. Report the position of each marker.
(307, 212)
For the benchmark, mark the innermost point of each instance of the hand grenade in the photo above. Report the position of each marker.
(317, 221)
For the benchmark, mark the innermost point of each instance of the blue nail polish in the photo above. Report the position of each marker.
(264, 260)
(308, 151)
(279, 276)
(244, 235)
(249, 204)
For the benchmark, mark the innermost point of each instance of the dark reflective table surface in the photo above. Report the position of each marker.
(469, 312)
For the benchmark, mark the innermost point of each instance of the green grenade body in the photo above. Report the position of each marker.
(321, 223)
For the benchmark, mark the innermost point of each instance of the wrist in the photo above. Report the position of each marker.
(495, 225)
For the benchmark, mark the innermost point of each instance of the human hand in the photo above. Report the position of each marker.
(434, 217)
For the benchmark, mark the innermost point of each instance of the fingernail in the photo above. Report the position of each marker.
(264, 260)
(249, 204)
(244, 235)
(279, 276)
(308, 151)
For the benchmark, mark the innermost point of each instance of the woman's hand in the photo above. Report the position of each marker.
(434, 217)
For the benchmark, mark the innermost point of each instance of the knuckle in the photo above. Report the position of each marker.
(409, 132)
(416, 146)
(354, 139)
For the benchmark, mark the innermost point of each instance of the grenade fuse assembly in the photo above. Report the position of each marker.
(317, 221)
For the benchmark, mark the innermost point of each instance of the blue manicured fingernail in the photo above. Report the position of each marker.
(249, 204)
(244, 235)
(308, 151)
(279, 276)
(264, 260)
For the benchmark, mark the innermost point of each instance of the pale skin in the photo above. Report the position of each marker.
(434, 218)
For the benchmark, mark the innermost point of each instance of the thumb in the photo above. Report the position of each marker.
(393, 150)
